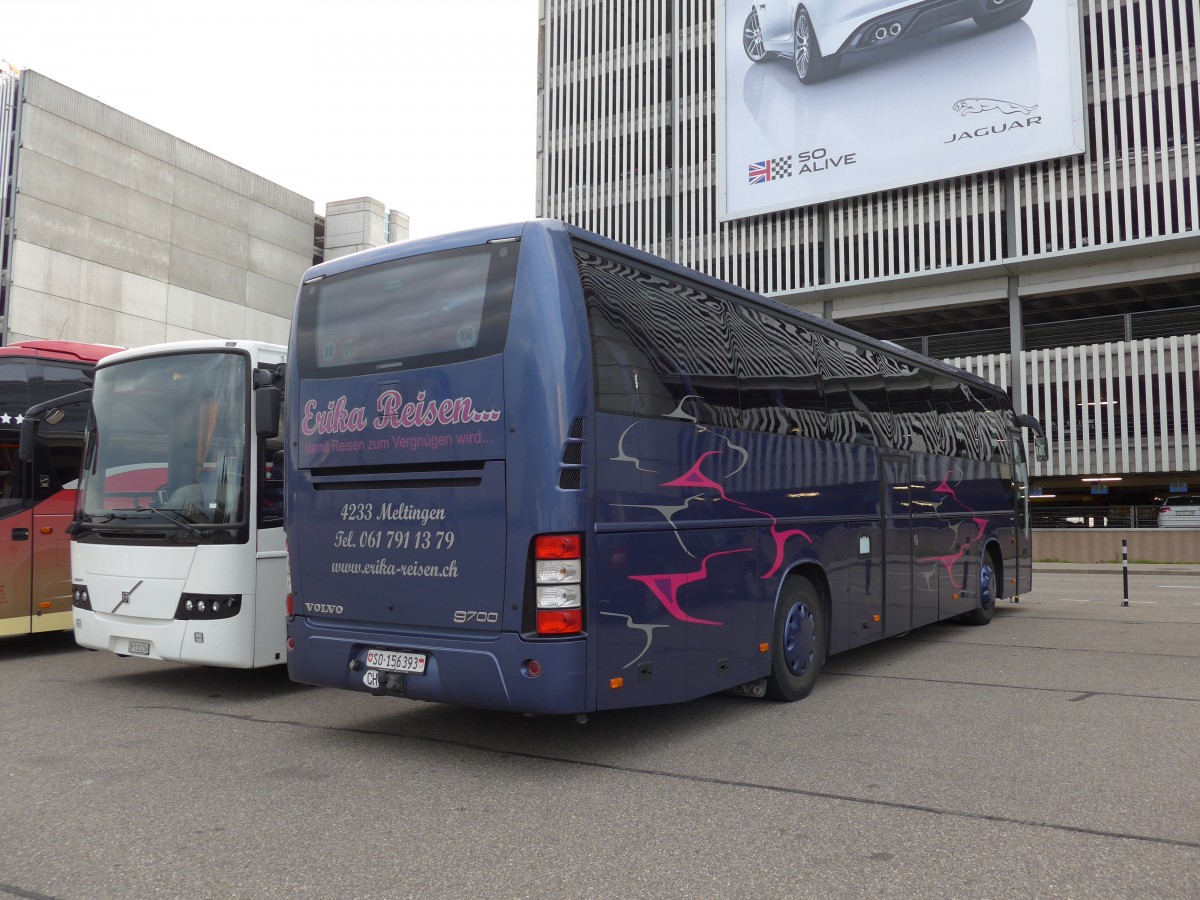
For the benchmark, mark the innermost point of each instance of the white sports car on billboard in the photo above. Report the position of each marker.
(816, 34)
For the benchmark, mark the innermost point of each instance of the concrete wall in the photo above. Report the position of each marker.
(124, 234)
(1091, 545)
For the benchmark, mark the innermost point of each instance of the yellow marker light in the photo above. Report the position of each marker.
(763, 648)
(954, 596)
(47, 530)
(615, 683)
(875, 617)
(45, 604)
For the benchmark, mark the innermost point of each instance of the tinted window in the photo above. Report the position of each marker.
(994, 419)
(425, 310)
(779, 374)
(854, 393)
(961, 418)
(60, 446)
(660, 348)
(14, 400)
(914, 417)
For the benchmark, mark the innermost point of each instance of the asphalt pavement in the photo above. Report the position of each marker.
(1052, 753)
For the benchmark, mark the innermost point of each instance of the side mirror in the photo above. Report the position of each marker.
(1041, 449)
(268, 398)
(51, 412)
(267, 402)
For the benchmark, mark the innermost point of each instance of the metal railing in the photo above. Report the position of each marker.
(1095, 516)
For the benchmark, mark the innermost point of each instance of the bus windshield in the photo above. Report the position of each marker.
(172, 452)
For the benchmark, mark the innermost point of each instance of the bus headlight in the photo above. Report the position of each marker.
(208, 606)
(80, 598)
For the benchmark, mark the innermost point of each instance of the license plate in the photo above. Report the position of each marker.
(396, 661)
(141, 648)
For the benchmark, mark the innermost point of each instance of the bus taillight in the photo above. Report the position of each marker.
(559, 621)
(558, 546)
(558, 580)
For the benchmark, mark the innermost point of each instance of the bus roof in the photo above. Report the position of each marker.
(253, 346)
(70, 351)
(515, 230)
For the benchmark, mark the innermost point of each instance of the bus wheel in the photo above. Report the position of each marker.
(799, 641)
(985, 608)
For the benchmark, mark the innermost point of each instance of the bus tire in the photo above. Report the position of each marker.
(799, 640)
(985, 604)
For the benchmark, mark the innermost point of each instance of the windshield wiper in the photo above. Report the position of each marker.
(179, 519)
(90, 520)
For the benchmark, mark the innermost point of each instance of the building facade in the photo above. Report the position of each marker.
(1073, 281)
(115, 232)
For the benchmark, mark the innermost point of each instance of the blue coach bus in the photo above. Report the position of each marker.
(532, 469)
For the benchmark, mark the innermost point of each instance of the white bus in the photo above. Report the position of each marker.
(179, 550)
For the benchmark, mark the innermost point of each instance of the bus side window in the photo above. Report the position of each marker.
(670, 338)
(60, 447)
(14, 400)
(855, 394)
(270, 480)
(910, 395)
(779, 376)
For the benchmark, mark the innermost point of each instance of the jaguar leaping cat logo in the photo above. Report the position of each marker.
(970, 105)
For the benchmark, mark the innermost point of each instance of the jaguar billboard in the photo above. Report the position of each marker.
(823, 99)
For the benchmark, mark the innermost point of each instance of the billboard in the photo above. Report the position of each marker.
(823, 99)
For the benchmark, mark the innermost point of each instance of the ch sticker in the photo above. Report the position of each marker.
(371, 679)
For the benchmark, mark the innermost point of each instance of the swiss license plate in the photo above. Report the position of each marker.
(396, 661)
(141, 648)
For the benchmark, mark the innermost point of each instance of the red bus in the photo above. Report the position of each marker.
(37, 498)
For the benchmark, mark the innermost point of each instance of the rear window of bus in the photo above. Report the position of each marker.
(432, 309)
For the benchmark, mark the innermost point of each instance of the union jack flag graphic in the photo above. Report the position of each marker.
(770, 169)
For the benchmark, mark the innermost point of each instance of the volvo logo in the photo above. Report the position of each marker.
(327, 608)
(125, 595)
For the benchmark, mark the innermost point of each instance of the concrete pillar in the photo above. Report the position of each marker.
(353, 225)
(397, 226)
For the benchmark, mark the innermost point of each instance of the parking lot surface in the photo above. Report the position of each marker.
(1052, 753)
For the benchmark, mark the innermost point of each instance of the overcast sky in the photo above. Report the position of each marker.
(428, 107)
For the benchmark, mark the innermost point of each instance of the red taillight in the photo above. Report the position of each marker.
(556, 598)
(558, 546)
(559, 621)
(289, 606)
(1165, 509)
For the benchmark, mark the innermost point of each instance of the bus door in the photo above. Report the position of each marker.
(16, 517)
(49, 547)
(898, 544)
(53, 477)
(1020, 499)
(16, 527)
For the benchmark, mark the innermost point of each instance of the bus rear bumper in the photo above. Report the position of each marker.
(488, 674)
